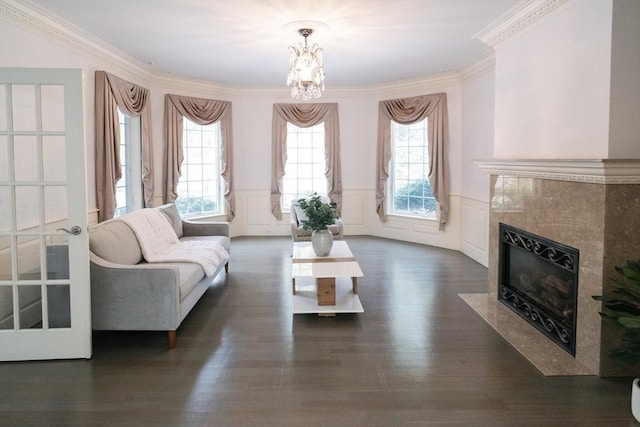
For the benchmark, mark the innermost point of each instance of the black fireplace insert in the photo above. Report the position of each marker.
(538, 279)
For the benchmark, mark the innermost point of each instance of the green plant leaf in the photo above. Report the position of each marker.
(631, 273)
(320, 215)
(607, 312)
(629, 322)
(622, 307)
(627, 293)
(625, 310)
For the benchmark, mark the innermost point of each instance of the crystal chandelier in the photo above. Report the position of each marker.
(306, 73)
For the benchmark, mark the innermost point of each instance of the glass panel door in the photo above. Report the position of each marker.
(44, 267)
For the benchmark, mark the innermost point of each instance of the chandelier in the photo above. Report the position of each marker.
(306, 72)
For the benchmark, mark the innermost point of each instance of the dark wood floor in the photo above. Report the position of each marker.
(418, 355)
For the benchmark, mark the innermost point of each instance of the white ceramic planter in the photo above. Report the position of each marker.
(321, 241)
(635, 399)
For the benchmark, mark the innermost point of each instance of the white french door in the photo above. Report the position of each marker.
(44, 265)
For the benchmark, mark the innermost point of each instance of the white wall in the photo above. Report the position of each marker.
(624, 135)
(477, 135)
(477, 130)
(553, 87)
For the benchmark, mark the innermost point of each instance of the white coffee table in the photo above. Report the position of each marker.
(325, 285)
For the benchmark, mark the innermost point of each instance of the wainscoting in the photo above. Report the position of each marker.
(467, 230)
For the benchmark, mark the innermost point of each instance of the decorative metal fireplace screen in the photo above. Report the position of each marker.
(538, 279)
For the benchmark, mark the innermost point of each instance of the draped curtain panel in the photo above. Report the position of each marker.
(407, 111)
(306, 115)
(203, 112)
(112, 93)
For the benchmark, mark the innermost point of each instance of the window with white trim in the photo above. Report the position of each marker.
(304, 172)
(200, 186)
(129, 187)
(409, 187)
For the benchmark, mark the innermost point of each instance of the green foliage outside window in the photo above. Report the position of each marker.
(415, 198)
(194, 205)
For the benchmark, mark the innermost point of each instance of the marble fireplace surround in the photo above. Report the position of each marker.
(591, 205)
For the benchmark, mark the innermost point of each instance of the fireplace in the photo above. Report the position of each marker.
(538, 280)
(590, 205)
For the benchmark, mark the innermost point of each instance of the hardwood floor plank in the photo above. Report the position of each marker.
(417, 356)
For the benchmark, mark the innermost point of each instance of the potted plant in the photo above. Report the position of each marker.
(624, 309)
(319, 216)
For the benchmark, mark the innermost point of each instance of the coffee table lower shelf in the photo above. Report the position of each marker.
(305, 300)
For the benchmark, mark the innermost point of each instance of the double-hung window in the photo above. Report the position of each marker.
(129, 187)
(200, 186)
(305, 168)
(409, 185)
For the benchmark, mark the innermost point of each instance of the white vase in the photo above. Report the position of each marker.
(321, 241)
(635, 399)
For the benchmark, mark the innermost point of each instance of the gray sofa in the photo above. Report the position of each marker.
(128, 293)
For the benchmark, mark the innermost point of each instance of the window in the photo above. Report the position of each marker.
(129, 187)
(410, 189)
(305, 168)
(200, 185)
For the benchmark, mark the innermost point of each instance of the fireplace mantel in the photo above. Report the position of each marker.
(595, 171)
(588, 204)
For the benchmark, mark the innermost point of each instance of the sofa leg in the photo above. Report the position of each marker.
(172, 339)
(226, 267)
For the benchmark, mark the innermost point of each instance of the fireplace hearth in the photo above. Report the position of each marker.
(538, 280)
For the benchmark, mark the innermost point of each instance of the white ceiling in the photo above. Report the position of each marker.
(242, 42)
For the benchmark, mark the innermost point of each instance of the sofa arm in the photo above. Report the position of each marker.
(208, 228)
(134, 297)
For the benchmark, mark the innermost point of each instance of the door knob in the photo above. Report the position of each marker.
(75, 230)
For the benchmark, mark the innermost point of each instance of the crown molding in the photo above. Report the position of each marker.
(169, 82)
(434, 83)
(596, 171)
(523, 16)
(39, 21)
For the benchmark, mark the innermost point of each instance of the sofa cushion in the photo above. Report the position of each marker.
(171, 211)
(115, 242)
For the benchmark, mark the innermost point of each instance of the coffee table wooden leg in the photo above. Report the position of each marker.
(326, 290)
(354, 283)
